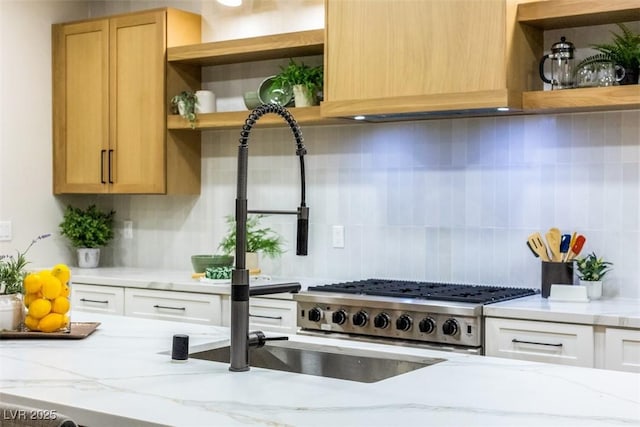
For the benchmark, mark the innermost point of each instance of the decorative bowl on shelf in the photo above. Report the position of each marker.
(251, 99)
(201, 262)
(270, 94)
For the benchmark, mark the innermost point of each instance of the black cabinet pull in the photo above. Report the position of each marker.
(265, 317)
(102, 153)
(110, 166)
(93, 300)
(169, 308)
(515, 340)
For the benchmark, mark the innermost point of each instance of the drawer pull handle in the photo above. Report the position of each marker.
(93, 300)
(169, 308)
(536, 343)
(266, 317)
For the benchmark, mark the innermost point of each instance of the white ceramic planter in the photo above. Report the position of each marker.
(302, 96)
(594, 289)
(88, 257)
(252, 262)
(11, 312)
(206, 102)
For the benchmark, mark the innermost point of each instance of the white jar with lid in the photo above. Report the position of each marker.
(206, 102)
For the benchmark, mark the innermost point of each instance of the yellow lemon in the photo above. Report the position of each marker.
(65, 321)
(66, 291)
(62, 272)
(51, 322)
(51, 287)
(60, 305)
(29, 298)
(32, 283)
(39, 308)
(31, 323)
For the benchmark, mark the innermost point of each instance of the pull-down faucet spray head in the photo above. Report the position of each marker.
(240, 276)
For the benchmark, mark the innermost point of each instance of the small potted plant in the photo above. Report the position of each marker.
(306, 82)
(12, 273)
(259, 240)
(185, 104)
(623, 51)
(591, 271)
(87, 230)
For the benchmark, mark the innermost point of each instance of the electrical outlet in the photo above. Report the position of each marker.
(5, 231)
(128, 230)
(338, 236)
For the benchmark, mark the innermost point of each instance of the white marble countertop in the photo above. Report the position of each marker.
(121, 371)
(172, 280)
(615, 312)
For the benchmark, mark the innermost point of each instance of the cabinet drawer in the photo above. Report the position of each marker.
(176, 306)
(97, 299)
(559, 343)
(272, 315)
(622, 350)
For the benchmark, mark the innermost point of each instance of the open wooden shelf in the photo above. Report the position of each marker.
(301, 43)
(583, 99)
(235, 119)
(555, 14)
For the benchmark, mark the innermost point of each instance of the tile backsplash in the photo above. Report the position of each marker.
(441, 200)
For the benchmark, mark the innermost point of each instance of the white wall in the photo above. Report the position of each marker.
(433, 200)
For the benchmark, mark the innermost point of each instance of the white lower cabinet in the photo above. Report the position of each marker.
(622, 349)
(97, 299)
(559, 343)
(171, 305)
(266, 314)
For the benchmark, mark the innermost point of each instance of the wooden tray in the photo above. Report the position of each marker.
(79, 330)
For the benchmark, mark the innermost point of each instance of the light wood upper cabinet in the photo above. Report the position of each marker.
(386, 57)
(110, 106)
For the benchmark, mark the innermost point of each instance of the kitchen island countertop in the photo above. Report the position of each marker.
(123, 375)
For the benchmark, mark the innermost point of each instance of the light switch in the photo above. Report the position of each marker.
(338, 236)
(5, 231)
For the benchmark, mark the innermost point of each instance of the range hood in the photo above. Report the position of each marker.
(421, 107)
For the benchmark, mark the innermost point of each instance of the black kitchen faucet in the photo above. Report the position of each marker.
(240, 337)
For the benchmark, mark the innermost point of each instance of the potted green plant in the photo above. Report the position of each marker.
(591, 271)
(184, 104)
(624, 51)
(259, 240)
(12, 273)
(88, 230)
(306, 82)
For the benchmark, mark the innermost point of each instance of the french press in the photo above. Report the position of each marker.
(562, 72)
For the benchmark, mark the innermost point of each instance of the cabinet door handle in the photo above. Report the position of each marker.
(94, 300)
(515, 340)
(170, 308)
(110, 166)
(265, 317)
(102, 154)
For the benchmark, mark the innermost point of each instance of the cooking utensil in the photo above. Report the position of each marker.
(577, 247)
(553, 241)
(535, 254)
(537, 245)
(565, 244)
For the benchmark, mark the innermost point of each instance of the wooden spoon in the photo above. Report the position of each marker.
(553, 241)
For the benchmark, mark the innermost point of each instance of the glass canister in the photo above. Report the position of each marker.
(47, 298)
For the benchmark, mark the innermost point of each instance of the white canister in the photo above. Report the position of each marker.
(206, 102)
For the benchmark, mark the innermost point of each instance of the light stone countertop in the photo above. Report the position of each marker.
(122, 375)
(614, 312)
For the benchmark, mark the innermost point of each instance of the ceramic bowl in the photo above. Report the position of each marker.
(251, 99)
(270, 94)
(201, 262)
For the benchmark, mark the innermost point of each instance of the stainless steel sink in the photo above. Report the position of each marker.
(333, 362)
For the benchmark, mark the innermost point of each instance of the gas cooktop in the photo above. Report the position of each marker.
(454, 292)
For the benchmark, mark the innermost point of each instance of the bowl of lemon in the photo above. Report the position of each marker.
(47, 299)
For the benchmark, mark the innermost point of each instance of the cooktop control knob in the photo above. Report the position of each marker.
(404, 322)
(339, 317)
(450, 327)
(315, 314)
(381, 321)
(360, 318)
(427, 325)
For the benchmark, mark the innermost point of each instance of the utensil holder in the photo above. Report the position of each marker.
(559, 273)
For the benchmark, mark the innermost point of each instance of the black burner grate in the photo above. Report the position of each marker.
(479, 294)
